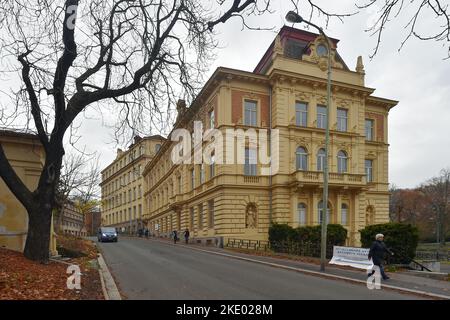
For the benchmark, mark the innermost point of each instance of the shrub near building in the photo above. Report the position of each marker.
(402, 239)
(305, 240)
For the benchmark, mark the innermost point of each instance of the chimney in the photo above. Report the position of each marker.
(181, 108)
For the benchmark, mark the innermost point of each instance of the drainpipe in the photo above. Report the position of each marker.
(270, 152)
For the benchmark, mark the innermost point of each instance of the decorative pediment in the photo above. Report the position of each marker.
(321, 58)
(321, 100)
(343, 103)
(302, 96)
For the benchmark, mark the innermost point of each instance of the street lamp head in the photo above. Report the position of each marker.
(293, 17)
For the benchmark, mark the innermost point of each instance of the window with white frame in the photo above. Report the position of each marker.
(321, 159)
(301, 212)
(369, 129)
(321, 117)
(250, 162)
(369, 170)
(250, 113)
(301, 159)
(192, 178)
(344, 214)
(211, 213)
(212, 119)
(212, 166)
(202, 173)
(301, 114)
(320, 209)
(342, 118)
(342, 161)
(200, 216)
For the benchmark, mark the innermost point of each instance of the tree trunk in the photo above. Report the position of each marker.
(37, 246)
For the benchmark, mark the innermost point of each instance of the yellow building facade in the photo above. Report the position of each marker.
(285, 97)
(122, 185)
(26, 155)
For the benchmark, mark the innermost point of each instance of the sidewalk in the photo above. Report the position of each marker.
(397, 280)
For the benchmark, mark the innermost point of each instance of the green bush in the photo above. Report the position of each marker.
(305, 240)
(402, 239)
(280, 232)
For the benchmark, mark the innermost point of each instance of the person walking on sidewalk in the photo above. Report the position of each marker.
(186, 235)
(175, 236)
(376, 253)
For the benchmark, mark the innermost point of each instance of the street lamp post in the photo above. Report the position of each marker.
(293, 17)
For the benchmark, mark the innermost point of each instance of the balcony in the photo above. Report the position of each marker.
(337, 179)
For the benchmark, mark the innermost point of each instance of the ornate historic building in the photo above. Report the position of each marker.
(122, 185)
(286, 96)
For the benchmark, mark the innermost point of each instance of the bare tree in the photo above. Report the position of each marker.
(438, 190)
(79, 182)
(139, 54)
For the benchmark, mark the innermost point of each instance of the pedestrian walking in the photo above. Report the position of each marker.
(377, 252)
(175, 236)
(186, 235)
(146, 233)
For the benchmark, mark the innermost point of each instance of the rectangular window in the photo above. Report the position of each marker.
(369, 129)
(191, 220)
(301, 114)
(200, 216)
(192, 179)
(250, 162)
(202, 173)
(321, 117)
(344, 213)
(179, 185)
(129, 195)
(212, 119)
(134, 212)
(301, 211)
(211, 214)
(250, 113)
(342, 118)
(134, 193)
(369, 170)
(139, 191)
(212, 167)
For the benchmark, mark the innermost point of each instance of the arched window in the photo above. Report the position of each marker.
(301, 211)
(301, 159)
(342, 161)
(320, 160)
(320, 208)
(344, 214)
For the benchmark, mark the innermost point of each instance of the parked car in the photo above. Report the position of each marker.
(107, 234)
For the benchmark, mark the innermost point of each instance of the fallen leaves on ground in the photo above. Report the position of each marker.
(23, 279)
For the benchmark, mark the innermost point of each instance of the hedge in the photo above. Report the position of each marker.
(402, 239)
(305, 240)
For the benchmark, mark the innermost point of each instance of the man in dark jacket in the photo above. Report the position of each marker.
(376, 253)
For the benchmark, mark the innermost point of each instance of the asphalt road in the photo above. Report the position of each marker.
(146, 269)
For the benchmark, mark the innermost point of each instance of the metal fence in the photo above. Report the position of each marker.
(307, 249)
(433, 255)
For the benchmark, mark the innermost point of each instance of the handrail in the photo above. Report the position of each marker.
(412, 260)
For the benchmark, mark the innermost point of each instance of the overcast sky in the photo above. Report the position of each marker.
(417, 76)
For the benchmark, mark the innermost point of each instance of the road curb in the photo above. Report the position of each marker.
(109, 286)
(315, 273)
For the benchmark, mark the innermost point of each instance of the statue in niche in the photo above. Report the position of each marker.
(250, 216)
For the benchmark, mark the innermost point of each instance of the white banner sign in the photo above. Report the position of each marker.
(351, 256)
